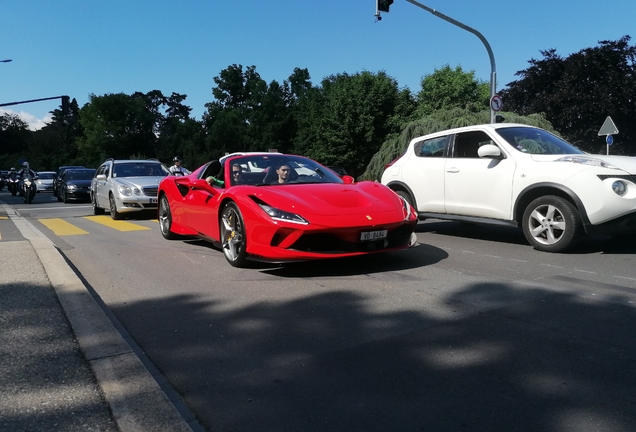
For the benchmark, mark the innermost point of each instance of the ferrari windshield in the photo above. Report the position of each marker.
(278, 169)
(536, 141)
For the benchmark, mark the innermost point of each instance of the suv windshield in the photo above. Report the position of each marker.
(139, 169)
(536, 141)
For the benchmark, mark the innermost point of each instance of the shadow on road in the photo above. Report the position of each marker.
(532, 360)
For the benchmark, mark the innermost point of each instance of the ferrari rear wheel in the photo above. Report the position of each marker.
(165, 219)
(233, 239)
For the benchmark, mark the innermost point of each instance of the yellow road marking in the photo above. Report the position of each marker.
(4, 217)
(118, 225)
(62, 228)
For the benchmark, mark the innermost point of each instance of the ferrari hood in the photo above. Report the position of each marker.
(331, 199)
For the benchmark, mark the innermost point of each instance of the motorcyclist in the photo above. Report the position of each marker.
(26, 170)
(12, 181)
(177, 168)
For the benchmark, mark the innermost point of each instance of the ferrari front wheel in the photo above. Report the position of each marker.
(165, 219)
(233, 239)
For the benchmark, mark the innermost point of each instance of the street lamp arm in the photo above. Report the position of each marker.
(493, 68)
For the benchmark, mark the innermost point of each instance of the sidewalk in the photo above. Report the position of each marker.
(63, 365)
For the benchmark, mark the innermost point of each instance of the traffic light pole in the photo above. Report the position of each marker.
(33, 100)
(493, 69)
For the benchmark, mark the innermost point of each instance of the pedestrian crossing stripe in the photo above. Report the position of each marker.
(62, 228)
(118, 225)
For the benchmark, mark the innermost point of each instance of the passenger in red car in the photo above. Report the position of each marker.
(236, 174)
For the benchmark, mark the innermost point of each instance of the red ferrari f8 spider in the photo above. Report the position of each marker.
(280, 208)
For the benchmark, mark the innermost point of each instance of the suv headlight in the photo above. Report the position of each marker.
(586, 160)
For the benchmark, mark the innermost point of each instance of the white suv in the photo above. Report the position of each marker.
(518, 175)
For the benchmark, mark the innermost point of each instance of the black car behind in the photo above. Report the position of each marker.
(74, 184)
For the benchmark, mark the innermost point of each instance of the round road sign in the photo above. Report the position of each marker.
(496, 103)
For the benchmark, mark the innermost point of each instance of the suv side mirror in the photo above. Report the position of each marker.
(490, 151)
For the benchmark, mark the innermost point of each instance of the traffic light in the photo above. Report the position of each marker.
(383, 5)
(65, 105)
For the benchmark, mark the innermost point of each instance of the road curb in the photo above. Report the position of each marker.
(136, 400)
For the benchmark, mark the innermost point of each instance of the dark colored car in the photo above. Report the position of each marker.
(58, 175)
(75, 184)
(338, 170)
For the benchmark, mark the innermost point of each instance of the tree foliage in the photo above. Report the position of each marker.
(360, 121)
(578, 92)
(448, 88)
(345, 120)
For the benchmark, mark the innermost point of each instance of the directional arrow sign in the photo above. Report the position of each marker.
(608, 128)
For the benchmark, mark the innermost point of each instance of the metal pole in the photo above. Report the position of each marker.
(493, 68)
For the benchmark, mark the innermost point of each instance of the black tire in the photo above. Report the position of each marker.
(165, 219)
(552, 224)
(97, 211)
(232, 234)
(64, 197)
(114, 214)
(407, 196)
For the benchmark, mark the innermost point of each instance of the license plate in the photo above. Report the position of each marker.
(153, 200)
(373, 235)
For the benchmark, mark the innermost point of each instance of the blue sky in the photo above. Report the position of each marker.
(83, 47)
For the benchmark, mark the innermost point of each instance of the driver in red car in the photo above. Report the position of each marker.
(283, 174)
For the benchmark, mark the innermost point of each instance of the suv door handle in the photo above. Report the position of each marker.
(452, 170)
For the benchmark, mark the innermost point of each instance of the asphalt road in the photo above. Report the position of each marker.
(472, 330)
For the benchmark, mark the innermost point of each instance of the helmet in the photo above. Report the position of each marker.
(176, 159)
(12, 169)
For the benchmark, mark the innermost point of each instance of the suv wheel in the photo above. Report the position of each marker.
(551, 224)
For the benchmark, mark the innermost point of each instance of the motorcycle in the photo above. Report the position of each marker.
(13, 184)
(29, 188)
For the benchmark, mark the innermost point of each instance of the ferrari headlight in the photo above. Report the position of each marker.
(125, 190)
(282, 215)
(587, 160)
(407, 207)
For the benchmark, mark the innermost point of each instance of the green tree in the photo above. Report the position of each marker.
(448, 88)
(344, 122)
(116, 125)
(15, 140)
(578, 92)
